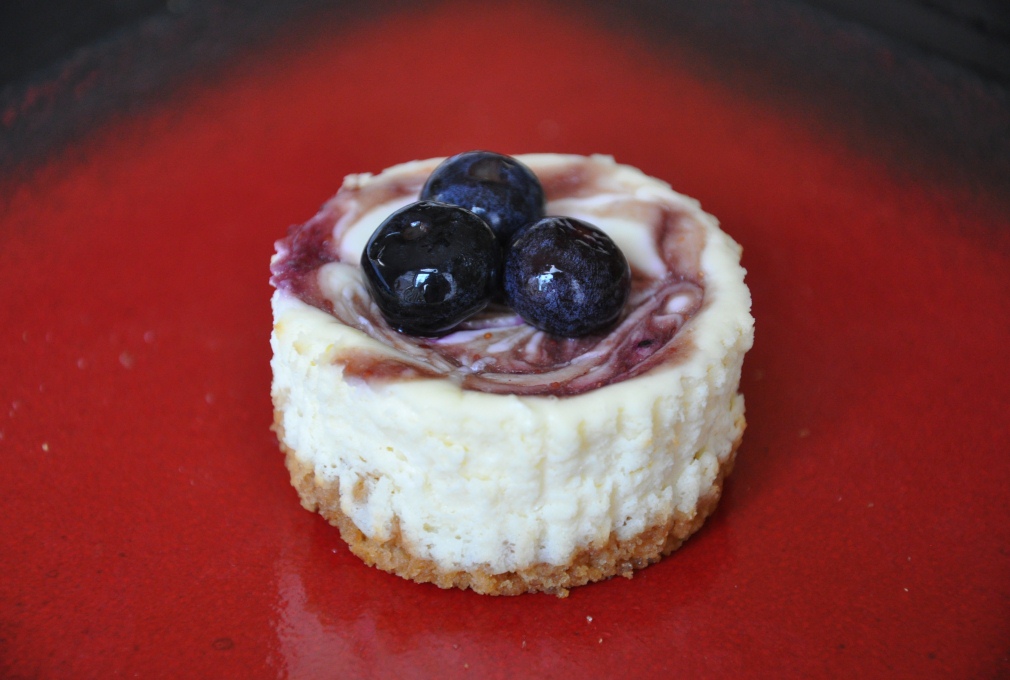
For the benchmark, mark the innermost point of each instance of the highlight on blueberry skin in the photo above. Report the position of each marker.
(566, 277)
(431, 265)
(499, 189)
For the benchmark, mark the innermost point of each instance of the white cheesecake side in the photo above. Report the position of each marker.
(517, 489)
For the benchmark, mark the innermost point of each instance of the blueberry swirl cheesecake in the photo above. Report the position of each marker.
(509, 374)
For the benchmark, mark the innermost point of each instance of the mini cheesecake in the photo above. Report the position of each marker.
(498, 457)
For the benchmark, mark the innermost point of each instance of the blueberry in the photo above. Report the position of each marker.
(499, 189)
(430, 266)
(566, 277)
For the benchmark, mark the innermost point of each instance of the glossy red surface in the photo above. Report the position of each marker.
(148, 524)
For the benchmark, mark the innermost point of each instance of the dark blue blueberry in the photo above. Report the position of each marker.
(499, 189)
(430, 266)
(566, 277)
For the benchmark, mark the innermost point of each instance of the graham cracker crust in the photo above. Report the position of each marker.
(593, 563)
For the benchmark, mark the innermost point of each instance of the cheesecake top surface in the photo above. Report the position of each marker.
(661, 233)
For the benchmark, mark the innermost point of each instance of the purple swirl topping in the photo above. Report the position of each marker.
(496, 351)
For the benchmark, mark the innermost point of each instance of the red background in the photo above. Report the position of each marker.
(148, 526)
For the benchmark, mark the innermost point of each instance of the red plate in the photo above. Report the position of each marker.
(149, 527)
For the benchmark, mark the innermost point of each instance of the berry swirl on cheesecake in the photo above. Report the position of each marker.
(496, 350)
